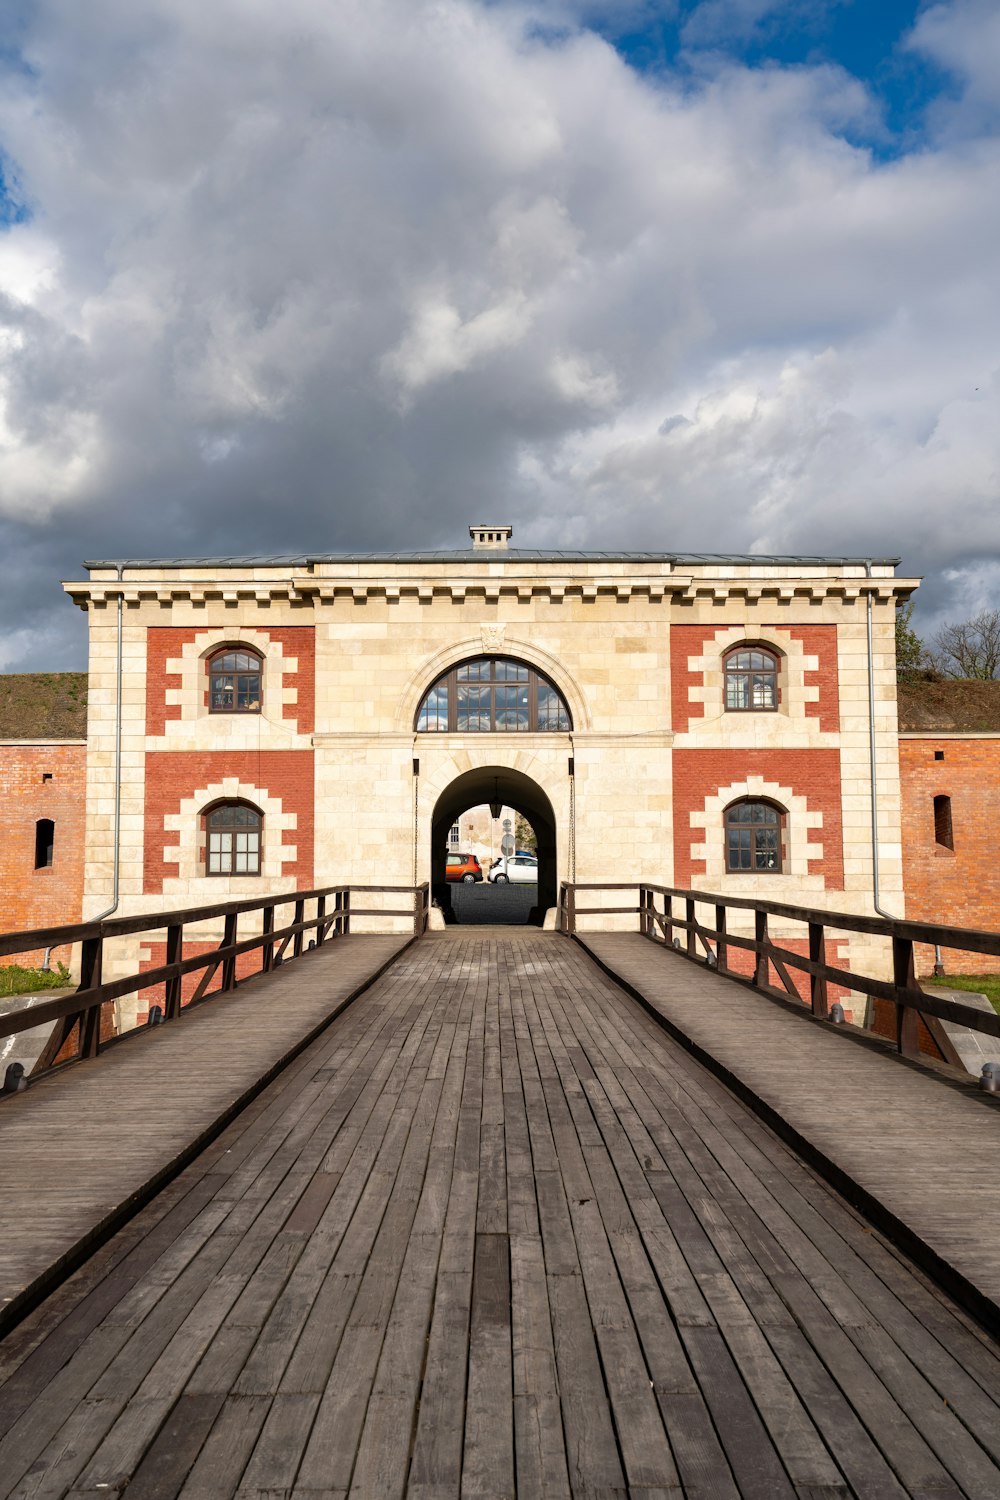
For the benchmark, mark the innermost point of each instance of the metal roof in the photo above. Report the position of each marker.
(484, 555)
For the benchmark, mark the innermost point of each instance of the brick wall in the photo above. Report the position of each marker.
(52, 896)
(166, 643)
(813, 774)
(688, 641)
(959, 887)
(172, 775)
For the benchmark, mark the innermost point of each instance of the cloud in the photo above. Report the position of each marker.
(323, 276)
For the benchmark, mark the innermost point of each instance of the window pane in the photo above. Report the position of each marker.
(512, 708)
(737, 690)
(767, 849)
(763, 692)
(434, 709)
(473, 709)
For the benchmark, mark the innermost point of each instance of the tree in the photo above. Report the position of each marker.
(524, 834)
(970, 648)
(911, 653)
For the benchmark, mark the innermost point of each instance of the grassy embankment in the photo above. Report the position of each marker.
(17, 981)
(980, 984)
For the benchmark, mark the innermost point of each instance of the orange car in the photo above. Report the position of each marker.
(464, 867)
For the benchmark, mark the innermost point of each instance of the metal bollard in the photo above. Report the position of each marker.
(837, 1014)
(14, 1081)
(155, 1016)
(989, 1080)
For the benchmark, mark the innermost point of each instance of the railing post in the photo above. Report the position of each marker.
(172, 988)
(761, 968)
(692, 941)
(300, 915)
(904, 978)
(267, 948)
(346, 909)
(91, 967)
(817, 982)
(668, 921)
(229, 964)
(571, 908)
(645, 901)
(320, 925)
(721, 946)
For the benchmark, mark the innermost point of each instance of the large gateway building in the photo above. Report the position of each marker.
(301, 721)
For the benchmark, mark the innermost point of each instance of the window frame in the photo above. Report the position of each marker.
(45, 843)
(781, 824)
(750, 673)
(449, 683)
(206, 822)
(235, 649)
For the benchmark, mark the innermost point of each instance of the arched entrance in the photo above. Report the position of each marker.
(513, 789)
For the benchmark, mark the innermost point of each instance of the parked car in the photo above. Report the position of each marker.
(515, 868)
(464, 867)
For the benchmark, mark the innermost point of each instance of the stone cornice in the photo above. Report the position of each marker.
(308, 592)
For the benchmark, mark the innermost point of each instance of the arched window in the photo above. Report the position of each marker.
(234, 681)
(232, 846)
(493, 693)
(751, 679)
(753, 836)
(45, 840)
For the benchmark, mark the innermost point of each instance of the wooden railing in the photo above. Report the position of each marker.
(710, 943)
(332, 912)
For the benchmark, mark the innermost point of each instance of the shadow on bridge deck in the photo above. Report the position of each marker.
(494, 1233)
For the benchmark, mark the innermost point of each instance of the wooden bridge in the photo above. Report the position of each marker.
(497, 1212)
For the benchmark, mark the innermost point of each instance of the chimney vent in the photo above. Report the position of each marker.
(490, 537)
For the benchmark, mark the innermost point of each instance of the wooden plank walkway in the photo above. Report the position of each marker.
(79, 1148)
(494, 1234)
(924, 1153)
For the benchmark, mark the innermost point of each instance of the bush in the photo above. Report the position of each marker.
(14, 980)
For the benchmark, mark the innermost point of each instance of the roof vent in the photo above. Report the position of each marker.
(490, 536)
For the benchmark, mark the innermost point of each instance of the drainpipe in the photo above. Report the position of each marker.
(118, 762)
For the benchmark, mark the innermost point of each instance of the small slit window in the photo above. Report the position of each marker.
(753, 837)
(751, 677)
(45, 839)
(233, 839)
(943, 832)
(234, 682)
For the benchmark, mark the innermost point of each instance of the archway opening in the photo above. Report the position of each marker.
(512, 789)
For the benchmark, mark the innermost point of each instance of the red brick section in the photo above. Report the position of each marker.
(163, 643)
(174, 774)
(48, 897)
(816, 640)
(167, 642)
(960, 887)
(813, 774)
(247, 964)
(821, 641)
(687, 641)
(742, 961)
(299, 641)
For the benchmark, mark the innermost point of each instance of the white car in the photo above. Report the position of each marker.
(515, 867)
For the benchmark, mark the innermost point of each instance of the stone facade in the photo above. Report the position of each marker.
(350, 791)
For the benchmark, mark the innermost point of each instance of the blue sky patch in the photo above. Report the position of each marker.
(864, 37)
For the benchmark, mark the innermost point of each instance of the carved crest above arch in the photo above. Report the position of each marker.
(493, 637)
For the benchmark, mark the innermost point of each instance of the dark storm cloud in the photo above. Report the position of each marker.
(312, 276)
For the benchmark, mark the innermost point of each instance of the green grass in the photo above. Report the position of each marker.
(981, 984)
(17, 981)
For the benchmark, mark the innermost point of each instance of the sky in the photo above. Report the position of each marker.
(692, 275)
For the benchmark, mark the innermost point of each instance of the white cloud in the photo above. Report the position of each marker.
(330, 275)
